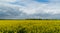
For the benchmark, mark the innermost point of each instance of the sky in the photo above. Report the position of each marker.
(23, 9)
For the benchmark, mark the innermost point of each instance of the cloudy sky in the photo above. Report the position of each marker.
(21, 9)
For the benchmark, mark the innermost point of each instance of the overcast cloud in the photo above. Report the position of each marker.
(15, 9)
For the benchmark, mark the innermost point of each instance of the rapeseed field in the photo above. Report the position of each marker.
(29, 26)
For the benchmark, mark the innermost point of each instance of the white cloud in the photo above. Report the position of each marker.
(35, 7)
(7, 0)
(32, 7)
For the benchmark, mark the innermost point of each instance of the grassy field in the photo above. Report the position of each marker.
(29, 26)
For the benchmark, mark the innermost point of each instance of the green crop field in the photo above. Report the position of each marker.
(29, 26)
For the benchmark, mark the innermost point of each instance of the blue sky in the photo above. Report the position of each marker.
(17, 9)
(43, 1)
